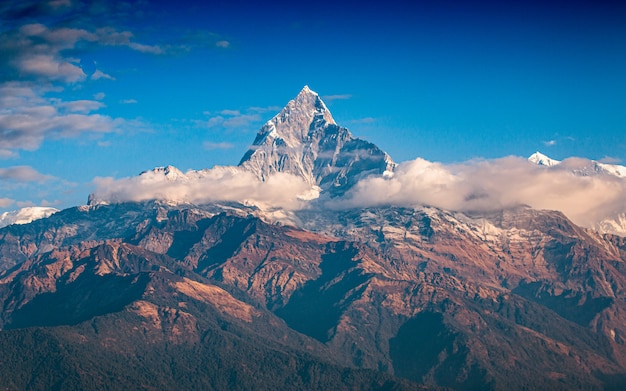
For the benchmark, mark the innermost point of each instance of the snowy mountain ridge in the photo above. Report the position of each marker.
(25, 215)
(579, 166)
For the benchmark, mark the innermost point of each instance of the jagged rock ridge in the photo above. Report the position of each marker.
(304, 140)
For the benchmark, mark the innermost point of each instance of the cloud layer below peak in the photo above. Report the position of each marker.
(218, 184)
(495, 184)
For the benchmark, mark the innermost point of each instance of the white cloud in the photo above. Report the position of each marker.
(81, 106)
(99, 95)
(492, 185)
(210, 185)
(128, 101)
(215, 121)
(36, 52)
(261, 110)
(236, 119)
(7, 154)
(330, 98)
(222, 44)
(152, 49)
(241, 121)
(27, 118)
(23, 174)
(549, 143)
(211, 145)
(50, 67)
(366, 120)
(98, 74)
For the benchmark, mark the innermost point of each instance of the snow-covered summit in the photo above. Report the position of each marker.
(303, 139)
(168, 173)
(579, 166)
(542, 160)
(25, 215)
(613, 169)
(292, 125)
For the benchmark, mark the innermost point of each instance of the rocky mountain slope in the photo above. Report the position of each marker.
(162, 295)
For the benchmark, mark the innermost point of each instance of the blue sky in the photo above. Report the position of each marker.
(89, 89)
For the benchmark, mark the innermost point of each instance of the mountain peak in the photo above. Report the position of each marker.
(308, 102)
(307, 90)
(542, 160)
(303, 139)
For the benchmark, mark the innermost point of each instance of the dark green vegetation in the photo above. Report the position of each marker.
(65, 358)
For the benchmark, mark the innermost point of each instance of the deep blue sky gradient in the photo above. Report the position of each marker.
(445, 81)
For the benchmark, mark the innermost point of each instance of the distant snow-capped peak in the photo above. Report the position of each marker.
(579, 166)
(26, 215)
(542, 160)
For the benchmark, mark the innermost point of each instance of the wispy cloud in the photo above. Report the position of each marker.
(128, 101)
(203, 39)
(27, 118)
(80, 106)
(267, 109)
(23, 174)
(152, 49)
(330, 98)
(6, 202)
(236, 119)
(208, 145)
(241, 121)
(366, 120)
(35, 51)
(549, 143)
(98, 74)
(610, 160)
(7, 154)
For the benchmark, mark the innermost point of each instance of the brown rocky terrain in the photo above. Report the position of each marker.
(521, 298)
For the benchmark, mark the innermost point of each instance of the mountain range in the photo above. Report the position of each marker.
(198, 280)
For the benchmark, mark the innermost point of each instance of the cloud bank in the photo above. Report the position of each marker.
(473, 186)
(219, 184)
(492, 185)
